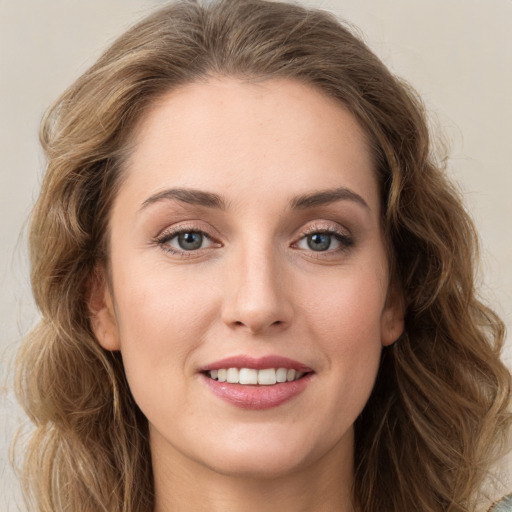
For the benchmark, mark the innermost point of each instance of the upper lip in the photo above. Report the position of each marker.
(257, 363)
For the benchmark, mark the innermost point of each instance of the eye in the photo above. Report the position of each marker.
(324, 241)
(319, 241)
(189, 241)
(185, 240)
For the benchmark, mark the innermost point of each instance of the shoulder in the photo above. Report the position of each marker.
(503, 505)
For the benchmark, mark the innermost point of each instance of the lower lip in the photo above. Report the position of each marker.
(257, 397)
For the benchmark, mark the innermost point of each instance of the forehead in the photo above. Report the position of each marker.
(247, 137)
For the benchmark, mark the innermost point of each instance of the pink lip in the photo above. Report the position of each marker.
(253, 396)
(257, 397)
(259, 363)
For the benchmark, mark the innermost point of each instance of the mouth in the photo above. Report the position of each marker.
(254, 377)
(257, 383)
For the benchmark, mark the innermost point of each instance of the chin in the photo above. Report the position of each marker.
(265, 456)
(261, 467)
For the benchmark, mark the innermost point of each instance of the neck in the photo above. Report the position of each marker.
(323, 486)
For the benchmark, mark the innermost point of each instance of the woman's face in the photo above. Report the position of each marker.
(246, 235)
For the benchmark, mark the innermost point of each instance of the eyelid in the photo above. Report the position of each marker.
(324, 227)
(173, 231)
(343, 236)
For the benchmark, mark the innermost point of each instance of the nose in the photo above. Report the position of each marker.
(256, 297)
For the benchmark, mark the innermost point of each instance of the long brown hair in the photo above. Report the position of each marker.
(438, 414)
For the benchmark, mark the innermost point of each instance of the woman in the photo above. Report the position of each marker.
(256, 284)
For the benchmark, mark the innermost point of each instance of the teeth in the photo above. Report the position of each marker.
(281, 374)
(232, 375)
(248, 376)
(265, 377)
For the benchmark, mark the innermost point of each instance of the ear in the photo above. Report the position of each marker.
(392, 320)
(101, 311)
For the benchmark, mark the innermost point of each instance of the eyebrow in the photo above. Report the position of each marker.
(212, 200)
(327, 196)
(189, 196)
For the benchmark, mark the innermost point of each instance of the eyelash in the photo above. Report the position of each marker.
(346, 241)
(164, 239)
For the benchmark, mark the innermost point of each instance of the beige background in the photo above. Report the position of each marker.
(457, 53)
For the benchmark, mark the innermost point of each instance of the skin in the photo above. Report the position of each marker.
(254, 287)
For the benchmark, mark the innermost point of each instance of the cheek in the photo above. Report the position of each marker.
(348, 309)
(161, 321)
(161, 302)
(346, 322)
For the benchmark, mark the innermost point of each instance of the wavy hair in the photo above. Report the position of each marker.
(438, 413)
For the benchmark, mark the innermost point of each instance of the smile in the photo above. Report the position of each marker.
(257, 383)
(251, 376)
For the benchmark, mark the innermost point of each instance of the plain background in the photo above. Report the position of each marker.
(456, 53)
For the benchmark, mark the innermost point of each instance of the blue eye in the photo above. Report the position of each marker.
(190, 240)
(186, 240)
(325, 241)
(319, 241)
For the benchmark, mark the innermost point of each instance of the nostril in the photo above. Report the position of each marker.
(277, 322)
